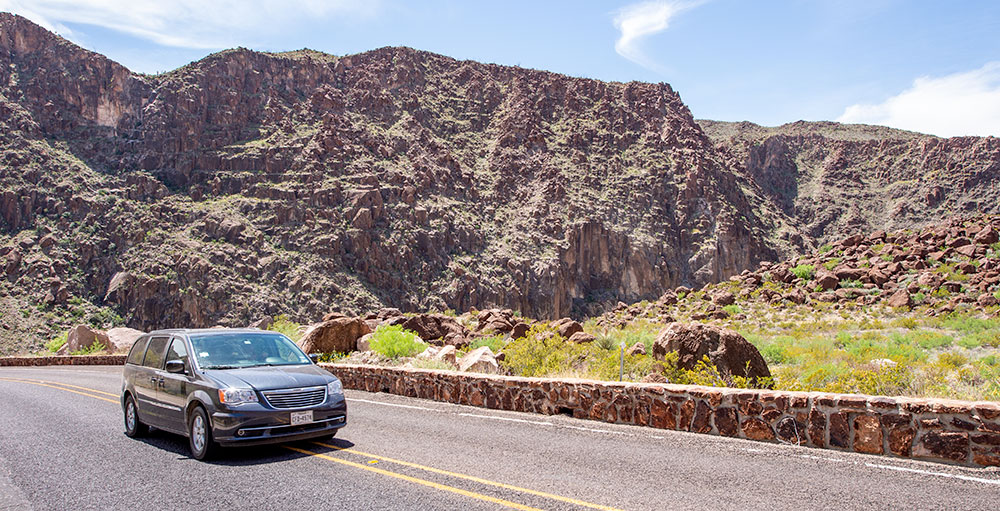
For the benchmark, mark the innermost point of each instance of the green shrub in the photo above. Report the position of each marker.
(851, 284)
(639, 331)
(832, 263)
(56, 343)
(495, 342)
(89, 350)
(543, 352)
(952, 359)
(393, 341)
(804, 271)
(286, 327)
(733, 309)
(825, 248)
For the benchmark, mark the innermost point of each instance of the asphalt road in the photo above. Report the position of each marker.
(62, 447)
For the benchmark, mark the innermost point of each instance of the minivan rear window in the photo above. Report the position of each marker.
(138, 350)
(154, 353)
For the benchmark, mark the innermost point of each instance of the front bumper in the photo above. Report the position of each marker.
(261, 425)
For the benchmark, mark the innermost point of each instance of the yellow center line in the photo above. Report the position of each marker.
(472, 478)
(68, 385)
(29, 382)
(432, 484)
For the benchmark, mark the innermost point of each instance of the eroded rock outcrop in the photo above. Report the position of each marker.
(728, 351)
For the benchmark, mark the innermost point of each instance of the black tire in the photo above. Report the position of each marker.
(134, 428)
(200, 435)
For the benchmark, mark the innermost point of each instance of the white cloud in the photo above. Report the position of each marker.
(185, 23)
(966, 103)
(638, 21)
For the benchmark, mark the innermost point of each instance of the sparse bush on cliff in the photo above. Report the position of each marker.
(287, 327)
(393, 341)
(804, 271)
(56, 343)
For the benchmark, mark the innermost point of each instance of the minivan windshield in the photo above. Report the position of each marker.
(250, 349)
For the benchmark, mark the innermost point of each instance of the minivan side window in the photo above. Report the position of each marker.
(178, 351)
(154, 353)
(138, 350)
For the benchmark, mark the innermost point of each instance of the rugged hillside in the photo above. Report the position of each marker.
(250, 183)
(826, 180)
(253, 183)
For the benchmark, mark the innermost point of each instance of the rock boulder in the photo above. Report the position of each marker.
(731, 354)
(82, 336)
(431, 327)
(123, 338)
(339, 334)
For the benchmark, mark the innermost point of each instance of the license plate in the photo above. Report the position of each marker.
(302, 417)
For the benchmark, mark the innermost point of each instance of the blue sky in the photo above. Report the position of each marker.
(929, 66)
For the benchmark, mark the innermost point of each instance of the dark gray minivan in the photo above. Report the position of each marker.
(228, 387)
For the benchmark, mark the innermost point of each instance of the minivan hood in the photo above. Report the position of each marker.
(271, 377)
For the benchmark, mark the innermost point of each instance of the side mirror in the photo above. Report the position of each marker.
(314, 357)
(175, 366)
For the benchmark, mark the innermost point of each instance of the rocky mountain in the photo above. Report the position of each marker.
(822, 181)
(252, 183)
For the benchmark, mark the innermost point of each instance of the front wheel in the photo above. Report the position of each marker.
(200, 435)
(133, 426)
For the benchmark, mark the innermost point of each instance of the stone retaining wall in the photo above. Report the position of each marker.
(64, 360)
(960, 432)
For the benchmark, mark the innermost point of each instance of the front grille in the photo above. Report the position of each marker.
(295, 398)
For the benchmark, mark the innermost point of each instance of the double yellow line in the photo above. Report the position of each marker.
(98, 394)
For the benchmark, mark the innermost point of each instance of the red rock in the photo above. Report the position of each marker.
(566, 327)
(82, 336)
(756, 429)
(726, 421)
(987, 300)
(638, 348)
(686, 414)
(722, 298)
(948, 445)
(840, 432)
(899, 299)
(434, 326)
(987, 236)
(826, 280)
(339, 334)
(702, 422)
(480, 360)
(581, 338)
(519, 330)
(731, 354)
(791, 430)
(867, 434)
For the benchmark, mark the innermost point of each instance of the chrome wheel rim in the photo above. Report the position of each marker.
(198, 433)
(130, 416)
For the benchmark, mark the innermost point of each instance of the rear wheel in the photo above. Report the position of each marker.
(200, 435)
(133, 426)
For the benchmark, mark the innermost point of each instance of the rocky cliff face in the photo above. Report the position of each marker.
(253, 183)
(827, 180)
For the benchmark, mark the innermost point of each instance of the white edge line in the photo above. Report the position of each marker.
(393, 404)
(939, 474)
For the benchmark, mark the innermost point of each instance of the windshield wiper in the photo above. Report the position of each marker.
(223, 367)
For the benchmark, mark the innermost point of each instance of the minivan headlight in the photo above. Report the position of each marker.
(237, 396)
(334, 387)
